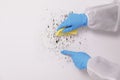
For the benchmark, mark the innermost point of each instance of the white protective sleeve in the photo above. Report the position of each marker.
(102, 69)
(104, 17)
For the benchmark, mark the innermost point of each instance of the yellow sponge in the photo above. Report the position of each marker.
(60, 33)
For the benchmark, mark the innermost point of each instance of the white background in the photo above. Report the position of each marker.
(22, 57)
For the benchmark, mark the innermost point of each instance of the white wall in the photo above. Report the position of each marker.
(22, 57)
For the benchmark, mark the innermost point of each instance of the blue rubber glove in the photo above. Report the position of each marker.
(80, 59)
(73, 21)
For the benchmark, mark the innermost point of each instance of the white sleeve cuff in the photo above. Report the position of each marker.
(101, 69)
(105, 17)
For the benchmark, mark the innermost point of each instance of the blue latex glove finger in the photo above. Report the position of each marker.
(73, 22)
(68, 53)
(64, 24)
(80, 59)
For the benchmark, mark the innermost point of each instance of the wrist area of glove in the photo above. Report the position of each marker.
(83, 61)
(84, 19)
(86, 63)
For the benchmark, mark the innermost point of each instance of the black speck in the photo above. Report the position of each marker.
(53, 20)
(65, 16)
(70, 61)
(48, 26)
(57, 24)
(57, 41)
(65, 57)
(66, 38)
(79, 42)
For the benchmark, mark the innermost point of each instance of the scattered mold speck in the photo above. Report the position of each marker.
(48, 26)
(80, 43)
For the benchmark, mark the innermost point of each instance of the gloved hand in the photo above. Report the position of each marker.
(73, 22)
(80, 59)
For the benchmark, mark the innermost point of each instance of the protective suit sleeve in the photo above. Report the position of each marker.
(104, 17)
(101, 69)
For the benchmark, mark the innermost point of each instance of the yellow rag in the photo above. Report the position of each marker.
(61, 33)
